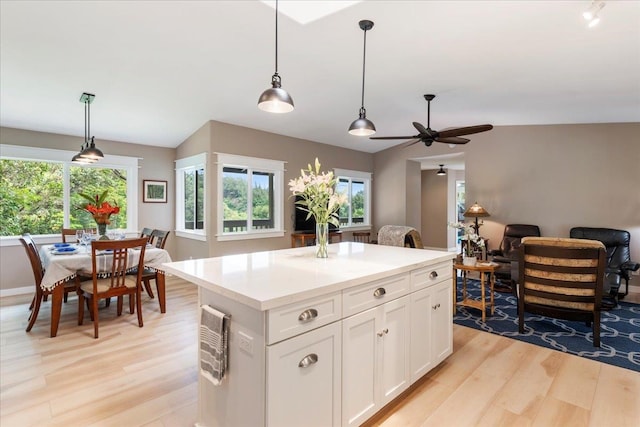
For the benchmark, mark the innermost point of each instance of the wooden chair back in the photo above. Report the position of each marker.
(361, 236)
(159, 238)
(119, 251)
(146, 232)
(34, 258)
(561, 278)
(66, 232)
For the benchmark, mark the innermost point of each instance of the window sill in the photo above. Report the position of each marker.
(191, 235)
(248, 236)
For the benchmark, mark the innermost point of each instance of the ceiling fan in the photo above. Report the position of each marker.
(447, 136)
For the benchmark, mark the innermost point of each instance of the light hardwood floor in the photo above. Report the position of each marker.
(147, 376)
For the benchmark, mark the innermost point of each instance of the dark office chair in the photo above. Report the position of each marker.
(507, 254)
(619, 264)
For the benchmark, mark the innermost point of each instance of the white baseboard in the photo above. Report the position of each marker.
(16, 291)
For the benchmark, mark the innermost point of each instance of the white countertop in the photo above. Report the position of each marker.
(267, 280)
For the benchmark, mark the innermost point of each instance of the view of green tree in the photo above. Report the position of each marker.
(31, 196)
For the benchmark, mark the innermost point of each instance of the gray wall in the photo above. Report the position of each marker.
(156, 164)
(556, 176)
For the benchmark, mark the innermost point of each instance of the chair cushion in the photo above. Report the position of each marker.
(105, 284)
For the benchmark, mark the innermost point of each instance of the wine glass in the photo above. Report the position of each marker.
(79, 235)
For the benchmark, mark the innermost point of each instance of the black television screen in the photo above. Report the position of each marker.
(302, 224)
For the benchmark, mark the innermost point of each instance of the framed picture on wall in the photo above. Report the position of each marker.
(154, 191)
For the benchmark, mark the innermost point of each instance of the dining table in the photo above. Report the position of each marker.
(61, 266)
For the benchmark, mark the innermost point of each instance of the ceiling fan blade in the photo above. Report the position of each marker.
(394, 137)
(464, 131)
(410, 143)
(453, 140)
(420, 128)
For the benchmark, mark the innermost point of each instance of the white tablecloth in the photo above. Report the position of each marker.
(60, 268)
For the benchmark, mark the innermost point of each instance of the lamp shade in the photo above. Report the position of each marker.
(275, 100)
(92, 152)
(476, 211)
(78, 159)
(441, 171)
(362, 126)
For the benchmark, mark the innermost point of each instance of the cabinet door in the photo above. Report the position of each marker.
(303, 379)
(441, 322)
(393, 359)
(359, 379)
(421, 327)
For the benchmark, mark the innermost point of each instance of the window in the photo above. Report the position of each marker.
(39, 190)
(250, 197)
(190, 197)
(357, 186)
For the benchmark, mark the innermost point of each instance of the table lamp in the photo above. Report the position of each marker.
(476, 211)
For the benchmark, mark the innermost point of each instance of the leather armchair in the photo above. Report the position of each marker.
(507, 254)
(619, 264)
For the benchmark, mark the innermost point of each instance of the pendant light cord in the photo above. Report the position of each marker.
(364, 58)
(276, 73)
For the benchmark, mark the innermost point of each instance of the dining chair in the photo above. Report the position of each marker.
(148, 274)
(146, 232)
(361, 236)
(115, 282)
(38, 273)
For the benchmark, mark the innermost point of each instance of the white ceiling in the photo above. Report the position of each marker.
(161, 69)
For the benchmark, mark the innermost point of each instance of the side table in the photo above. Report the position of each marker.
(487, 274)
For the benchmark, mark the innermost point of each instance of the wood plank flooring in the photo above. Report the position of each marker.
(147, 376)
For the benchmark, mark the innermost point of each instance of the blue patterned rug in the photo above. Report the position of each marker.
(619, 329)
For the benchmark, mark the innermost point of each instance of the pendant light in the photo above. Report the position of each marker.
(441, 172)
(363, 126)
(89, 153)
(275, 99)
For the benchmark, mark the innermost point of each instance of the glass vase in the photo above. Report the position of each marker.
(322, 239)
(102, 232)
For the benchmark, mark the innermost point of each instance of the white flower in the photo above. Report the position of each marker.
(318, 195)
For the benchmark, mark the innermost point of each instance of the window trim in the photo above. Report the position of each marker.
(53, 155)
(367, 178)
(277, 167)
(197, 161)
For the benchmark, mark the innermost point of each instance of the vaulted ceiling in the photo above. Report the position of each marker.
(161, 69)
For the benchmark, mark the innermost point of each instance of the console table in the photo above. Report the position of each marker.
(322, 342)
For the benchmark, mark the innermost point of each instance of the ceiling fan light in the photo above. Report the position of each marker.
(275, 99)
(594, 22)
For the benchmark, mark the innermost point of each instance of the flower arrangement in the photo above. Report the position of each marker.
(99, 208)
(472, 239)
(319, 197)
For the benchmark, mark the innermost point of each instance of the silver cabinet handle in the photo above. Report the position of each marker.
(433, 275)
(383, 332)
(308, 360)
(379, 292)
(435, 307)
(308, 315)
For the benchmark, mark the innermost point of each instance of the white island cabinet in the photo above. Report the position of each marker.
(322, 342)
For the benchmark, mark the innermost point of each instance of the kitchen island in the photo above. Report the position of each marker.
(322, 341)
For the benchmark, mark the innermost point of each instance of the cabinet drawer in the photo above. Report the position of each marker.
(375, 293)
(427, 276)
(294, 319)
